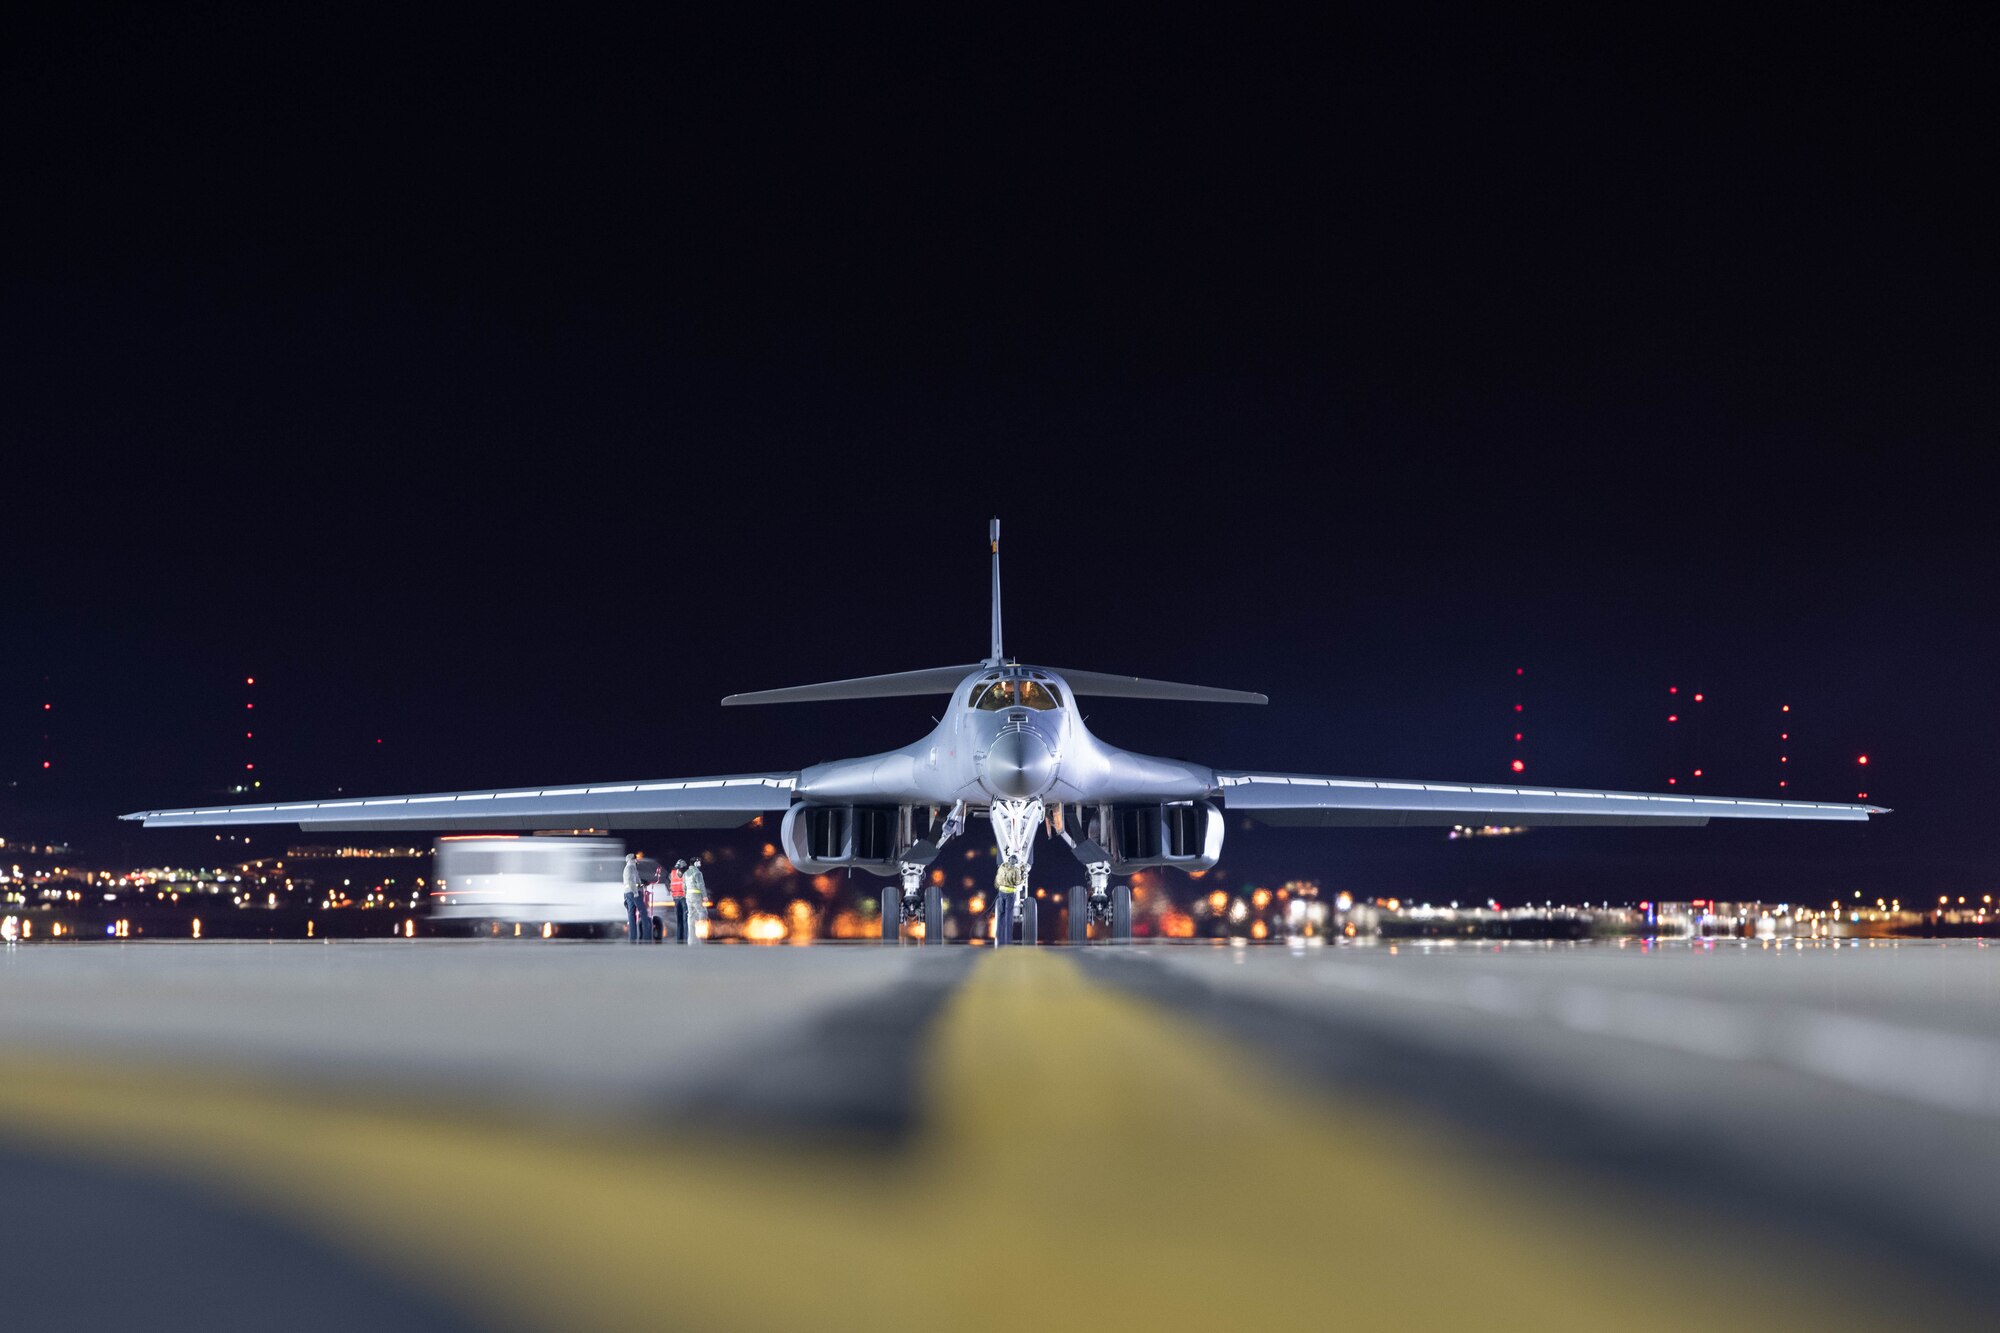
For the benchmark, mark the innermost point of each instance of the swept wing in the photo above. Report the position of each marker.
(721, 802)
(1303, 799)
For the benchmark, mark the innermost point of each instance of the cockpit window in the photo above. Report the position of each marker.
(1040, 695)
(1016, 692)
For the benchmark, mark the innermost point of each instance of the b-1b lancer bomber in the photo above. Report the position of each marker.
(1012, 749)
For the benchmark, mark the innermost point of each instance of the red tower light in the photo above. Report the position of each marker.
(249, 680)
(1673, 717)
(1673, 689)
(1698, 698)
(1697, 772)
(1517, 735)
(1520, 671)
(1673, 782)
(1519, 767)
(1517, 708)
(1862, 760)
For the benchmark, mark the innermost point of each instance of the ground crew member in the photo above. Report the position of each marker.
(631, 897)
(697, 900)
(646, 907)
(678, 886)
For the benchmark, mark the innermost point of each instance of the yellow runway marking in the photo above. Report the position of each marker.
(1085, 1161)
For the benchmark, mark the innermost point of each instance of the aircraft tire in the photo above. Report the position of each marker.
(1079, 915)
(1121, 913)
(1031, 919)
(892, 916)
(1003, 920)
(933, 914)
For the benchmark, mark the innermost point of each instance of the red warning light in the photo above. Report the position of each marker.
(1517, 708)
(1517, 735)
(1673, 782)
(1784, 759)
(249, 680)
(1698, 698)
(1784, 735)
(1697, 772)
(1862, 760)
(249, 765)
(1520, 671)
(1673, 717)
(1673, 689)
(249, 735)
(1783, 783)
(45, 763)
(47, 707)
(249, 705)
(1861, 796)
(1519, 767)
(1784, 708)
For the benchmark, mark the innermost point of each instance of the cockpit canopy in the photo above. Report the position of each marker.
(1014, 689)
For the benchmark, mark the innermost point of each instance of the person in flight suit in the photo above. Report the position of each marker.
(631, 897)
(697, 900)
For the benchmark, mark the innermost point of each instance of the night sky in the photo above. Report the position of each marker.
(510, 389)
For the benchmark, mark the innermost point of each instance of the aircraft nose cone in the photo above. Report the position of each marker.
(1019, 765)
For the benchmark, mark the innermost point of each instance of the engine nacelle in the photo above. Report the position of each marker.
(819, 838)
(1183, 834)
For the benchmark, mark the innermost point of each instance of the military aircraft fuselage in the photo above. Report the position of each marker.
(1010, 733)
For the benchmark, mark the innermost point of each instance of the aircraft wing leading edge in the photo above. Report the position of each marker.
(1300, 799)
(682, 803)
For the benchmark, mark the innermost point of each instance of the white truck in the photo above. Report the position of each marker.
(544, 880)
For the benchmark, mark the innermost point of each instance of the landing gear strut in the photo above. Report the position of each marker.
(1014, 824)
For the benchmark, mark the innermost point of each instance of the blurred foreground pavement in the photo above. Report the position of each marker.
(459, 1135)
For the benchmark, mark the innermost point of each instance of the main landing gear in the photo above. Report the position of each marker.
(1109, 907)
(902, 905)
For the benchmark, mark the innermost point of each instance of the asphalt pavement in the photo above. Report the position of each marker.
(458, 1134)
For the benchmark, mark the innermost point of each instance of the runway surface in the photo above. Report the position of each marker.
(451, 1134)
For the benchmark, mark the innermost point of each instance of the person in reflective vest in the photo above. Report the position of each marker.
(677, 885)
